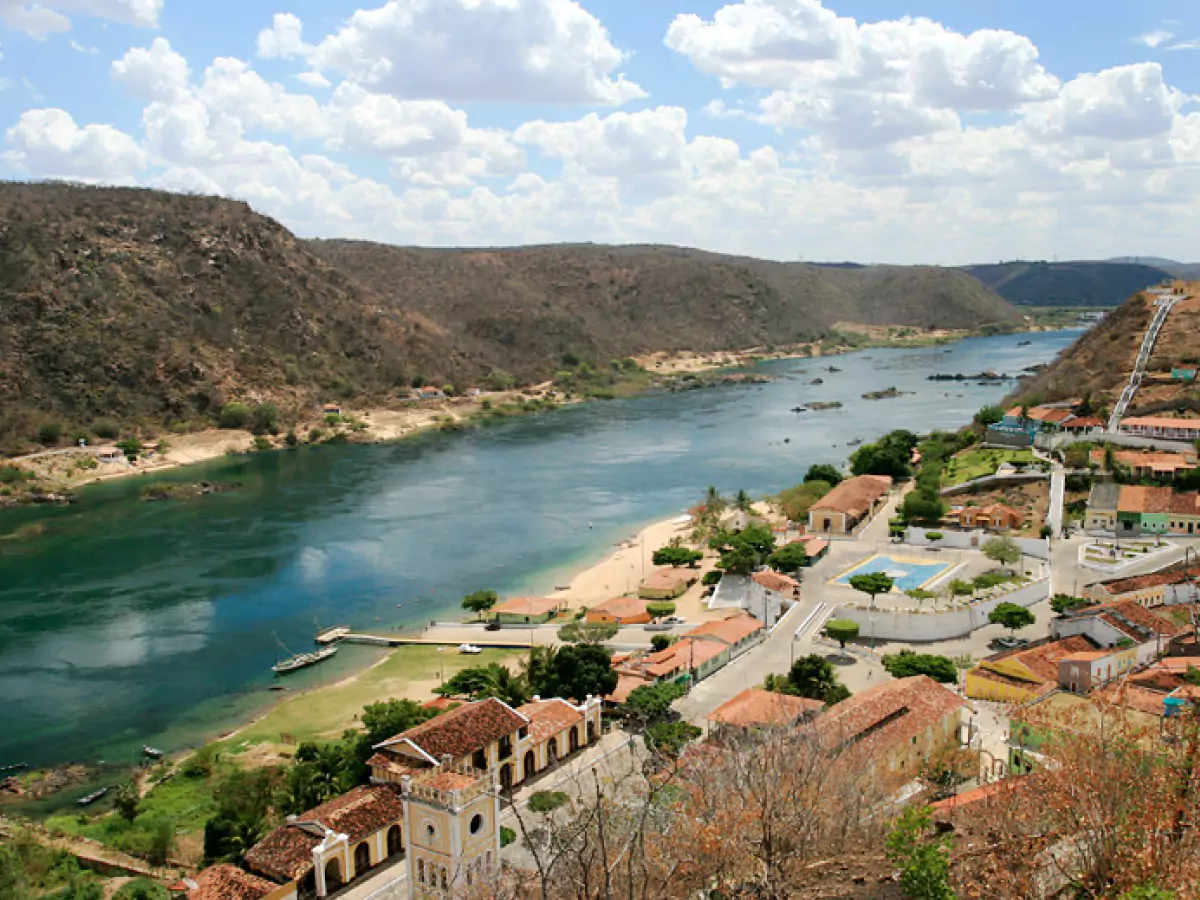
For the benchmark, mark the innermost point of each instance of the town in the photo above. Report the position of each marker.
(956, 630)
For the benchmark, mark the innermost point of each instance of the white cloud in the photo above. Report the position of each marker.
(81, 48)
(529, 51)
(152, 73)
(1154, 38)
(283, 39)
(1126, 103)
(46, 143)
(647, 143)
(314, 80)
(1185, 45)
(40, 19)
(862, 84)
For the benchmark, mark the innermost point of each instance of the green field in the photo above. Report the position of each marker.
(978, 463)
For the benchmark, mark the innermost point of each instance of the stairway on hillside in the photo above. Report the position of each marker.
(1165, 303)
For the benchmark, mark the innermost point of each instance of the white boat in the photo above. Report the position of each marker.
(302, 660)
(469, 649)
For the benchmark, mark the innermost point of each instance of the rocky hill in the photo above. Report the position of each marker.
(516, 308)
(1100, 362)
(146, 306)
(1067, 283)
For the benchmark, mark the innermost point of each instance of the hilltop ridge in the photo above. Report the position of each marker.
(156, 308)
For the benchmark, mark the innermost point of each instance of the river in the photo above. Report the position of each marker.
(129, 622)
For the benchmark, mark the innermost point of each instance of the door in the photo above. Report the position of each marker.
(333, 876)
(530, 764)
(395, 843)
(362, 859)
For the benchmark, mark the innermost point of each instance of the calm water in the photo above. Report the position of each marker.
(131, 622)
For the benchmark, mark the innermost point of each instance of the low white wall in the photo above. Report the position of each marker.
(973, 540)
(920, 625)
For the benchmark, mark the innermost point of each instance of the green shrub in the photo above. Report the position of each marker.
(50, 433)
(265, 419)
(713, 577)
(262, 442)
(661, 608)
(106, 428)
(141, 889)
(546, 801)
(507, 836)
(234, 415)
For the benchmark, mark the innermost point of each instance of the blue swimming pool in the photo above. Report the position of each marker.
(906, 573)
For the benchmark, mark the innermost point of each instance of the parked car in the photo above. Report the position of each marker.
(1009, 643)
(492, 626)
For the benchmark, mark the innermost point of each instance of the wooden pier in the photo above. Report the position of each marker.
(343, 635)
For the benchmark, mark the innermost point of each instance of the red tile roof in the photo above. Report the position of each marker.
(731, 630)
(881, 718)
(1170, 575)
(621, 607)
(286, 853)
(978, 795)
(226, 882)
(1147, 624)
(755, 706)
(1043, 659)
(1138, 499)
(549, 717)
(1159, 422)
(669, 578)
(528, 606)
(855, 496)
(449, 780)
(462, 731)
(626, 684)
(684, 655)
(775, 581)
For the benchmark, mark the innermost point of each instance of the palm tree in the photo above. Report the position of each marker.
(744, 501)
(714, 503)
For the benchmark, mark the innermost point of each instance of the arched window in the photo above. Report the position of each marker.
(395, 841)
(445, 882)
(421, 871)
(333, 875)
(530, 764)
(362, 858)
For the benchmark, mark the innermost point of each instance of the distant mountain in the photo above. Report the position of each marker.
(1068, 283)
(150, 307)
(1189, 271)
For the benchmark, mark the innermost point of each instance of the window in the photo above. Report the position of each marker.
(421, 871)
(445, 883)
(430, 831)
(476, 823)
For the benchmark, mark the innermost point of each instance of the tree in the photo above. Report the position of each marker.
(796, 501)
(480, 602)
(789, 558)
(923, 859)
(872, 584)
(244, 800)
(933, 537)
(823, 472)
(128, 800)
(264, 419)
(584, 632)
(1011, 616)
(49, 433)
(131, 447)
(669, 738)
(547, 801)
(841, 630)
(812, 676)
(923, 506)
(676, 556)
(651, 703)
(662, 641)
(577, 672)
(960, 588)
(891, 455)
(1063, 603)
(141, 889)
(920, 595)
(482, 682)
(743, 551)
(234, 415)
(1002, 550)
(714, 503)
(659, 608)
(907, 663)
(989, 415)
(743, 501)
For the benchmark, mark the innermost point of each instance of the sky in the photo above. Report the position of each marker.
(923, 131)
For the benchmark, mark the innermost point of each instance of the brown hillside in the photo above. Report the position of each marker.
(1100, 362)
(141, 305)
(518, 308)
(144, 306)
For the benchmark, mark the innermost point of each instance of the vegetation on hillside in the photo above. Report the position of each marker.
(1067, 283)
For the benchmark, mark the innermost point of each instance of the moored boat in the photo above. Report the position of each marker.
(92, 797)
(302, 660)
(152, 752)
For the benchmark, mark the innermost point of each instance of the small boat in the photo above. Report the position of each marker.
(12, 767)
(277, 687)
(92, 797)
(152, 752)
(303, 660)
(469, 649)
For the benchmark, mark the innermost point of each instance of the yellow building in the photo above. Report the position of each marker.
(452, 820)
(1019, 675)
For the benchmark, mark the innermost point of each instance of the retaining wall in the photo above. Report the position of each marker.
(1038, 548)
(924, 625)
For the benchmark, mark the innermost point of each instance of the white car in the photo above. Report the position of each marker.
(469, 649)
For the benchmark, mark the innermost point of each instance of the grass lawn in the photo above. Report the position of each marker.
(324, 713)
(978, 463)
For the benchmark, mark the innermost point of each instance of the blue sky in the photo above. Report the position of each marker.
(923, 131)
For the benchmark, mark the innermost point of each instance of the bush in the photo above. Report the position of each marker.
(660, 608)
(106, 428)
(50, 433)
(661, 641)
(141, 889)
(265, 419)
(234, 415)
(14, 475)
(713, 577)
(507, 836)
(546, 801)
(262, 442)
